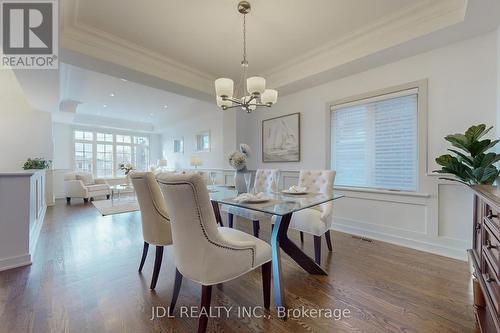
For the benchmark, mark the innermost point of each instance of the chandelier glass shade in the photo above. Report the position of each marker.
(253, 89)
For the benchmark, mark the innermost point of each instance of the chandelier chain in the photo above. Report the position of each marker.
(244, 39)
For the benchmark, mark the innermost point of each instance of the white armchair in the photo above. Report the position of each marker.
(83, 185)
(317, 220)
(204, 252)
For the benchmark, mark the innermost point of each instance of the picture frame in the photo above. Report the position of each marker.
(281, 139)
(178, 145)
(203, 142)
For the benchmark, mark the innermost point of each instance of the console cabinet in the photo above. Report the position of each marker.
(485, 257)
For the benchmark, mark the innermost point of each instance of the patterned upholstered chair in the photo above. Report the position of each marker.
(203, 252)
(317, 220)
(263, 183)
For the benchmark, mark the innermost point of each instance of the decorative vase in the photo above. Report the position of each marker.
(127, 179)
(239, 181)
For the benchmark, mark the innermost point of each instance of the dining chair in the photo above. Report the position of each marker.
(203, 252)
(263, 182)
(318, 219)
(156, 229)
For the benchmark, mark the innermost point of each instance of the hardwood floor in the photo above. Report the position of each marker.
(84, 279)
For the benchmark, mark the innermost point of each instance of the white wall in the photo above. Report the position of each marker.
(207, 118)
(461, 92)
(24, 132)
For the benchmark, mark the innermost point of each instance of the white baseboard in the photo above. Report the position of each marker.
(13, 262)
(456, 253)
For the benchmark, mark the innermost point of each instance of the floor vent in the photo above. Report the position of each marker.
(363, 238)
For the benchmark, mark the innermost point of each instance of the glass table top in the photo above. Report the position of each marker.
(278, 204)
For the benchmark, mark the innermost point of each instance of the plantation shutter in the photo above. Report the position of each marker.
(374, 142)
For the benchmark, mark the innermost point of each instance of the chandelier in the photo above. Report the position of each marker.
(253, 89)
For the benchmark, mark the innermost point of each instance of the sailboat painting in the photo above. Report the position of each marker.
(281, 139)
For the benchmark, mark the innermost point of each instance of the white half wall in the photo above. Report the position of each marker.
(462, 91)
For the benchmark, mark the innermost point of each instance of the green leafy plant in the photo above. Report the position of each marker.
(473, 164)
(37, 163)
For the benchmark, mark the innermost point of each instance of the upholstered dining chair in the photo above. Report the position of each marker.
(156, 228)
(317, 220)
(263, 183)
(203, 252)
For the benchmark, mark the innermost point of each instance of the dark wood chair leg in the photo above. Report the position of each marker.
(108, 196)
(144, 255)
(256, 227)
(156, 270)
(68, 200)
(177, 288)
(317, 249)
(86, 200)
(91, 199)
(230, 218)
(301, 237)
(206, 295)
(328, 240)
(266, 284)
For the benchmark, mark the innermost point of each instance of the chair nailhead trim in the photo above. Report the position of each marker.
(201, 224)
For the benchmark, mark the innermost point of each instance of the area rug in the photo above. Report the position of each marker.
(124, 205)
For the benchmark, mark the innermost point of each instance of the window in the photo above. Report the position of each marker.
(102, 153)
(84, 135)
(178, 145)
(105, 137)
(374, 142)
(104, 167)
(203, 142)
(83, 156)
(123, 155)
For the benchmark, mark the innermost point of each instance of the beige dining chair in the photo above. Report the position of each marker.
(263, 182)
(156, 228)
(203, 252)
(317, 220)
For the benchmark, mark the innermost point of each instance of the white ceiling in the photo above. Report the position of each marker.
(191, 42)
(110, 98)
(207, 35)
(172, 49)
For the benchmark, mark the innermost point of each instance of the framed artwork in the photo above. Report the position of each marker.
(203, 142)
(281, 139)
(179, 145)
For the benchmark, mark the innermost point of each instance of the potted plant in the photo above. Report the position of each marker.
(471, 164)
(37, 163)
(238, 160)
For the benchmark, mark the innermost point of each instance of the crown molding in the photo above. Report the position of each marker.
(99, 44)
(409, 23)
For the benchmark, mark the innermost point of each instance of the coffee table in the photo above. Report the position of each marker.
(119, 189)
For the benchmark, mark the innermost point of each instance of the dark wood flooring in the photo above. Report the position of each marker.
(84, 279)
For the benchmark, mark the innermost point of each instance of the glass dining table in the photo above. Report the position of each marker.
(282, 206)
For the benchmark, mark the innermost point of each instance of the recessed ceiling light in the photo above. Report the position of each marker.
(112, 95)
(165, 106)
(124, 80)
(104, 105)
